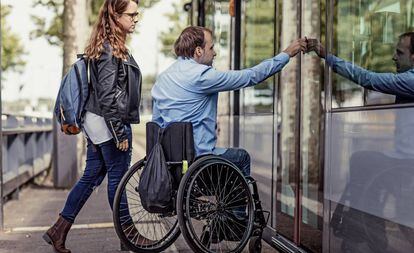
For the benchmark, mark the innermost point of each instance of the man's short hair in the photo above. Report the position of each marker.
(411, 36)
(190, 38)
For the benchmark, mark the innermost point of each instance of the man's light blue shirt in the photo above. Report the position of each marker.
(400, 84)
(188, 92)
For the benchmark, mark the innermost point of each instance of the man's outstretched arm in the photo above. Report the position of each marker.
(401, 84)
(212, 81)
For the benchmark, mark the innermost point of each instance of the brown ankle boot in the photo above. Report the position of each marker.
(56, 235)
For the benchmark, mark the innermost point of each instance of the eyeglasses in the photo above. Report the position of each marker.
(132, 16)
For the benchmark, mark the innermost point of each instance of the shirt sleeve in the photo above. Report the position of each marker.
(156, 116)
(213, 81)
(400, 84)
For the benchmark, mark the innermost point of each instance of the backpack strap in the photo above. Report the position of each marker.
(88, 71)
(88, 61)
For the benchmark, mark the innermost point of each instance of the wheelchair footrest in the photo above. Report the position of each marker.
(261, 218)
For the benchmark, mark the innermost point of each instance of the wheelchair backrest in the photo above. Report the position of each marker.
(177, 140)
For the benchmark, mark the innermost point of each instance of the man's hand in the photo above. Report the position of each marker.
(315, 45)
(123, 146)
(296, 46)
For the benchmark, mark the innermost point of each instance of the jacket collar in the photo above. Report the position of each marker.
(131, 62)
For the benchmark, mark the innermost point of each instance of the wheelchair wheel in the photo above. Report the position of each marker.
(255, 244)
(215, 206)
(138, 229)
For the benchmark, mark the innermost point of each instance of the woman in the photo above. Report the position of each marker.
(112, 106)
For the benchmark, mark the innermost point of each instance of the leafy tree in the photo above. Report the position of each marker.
(95, 5)
(147, 83)
(12, 50)
(168, 37)
(53, 31)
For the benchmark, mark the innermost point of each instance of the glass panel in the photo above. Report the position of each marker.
(194, 10)
(365, 33)
(209, 14)
(371, 180)
(219, 21)
(313, 25)
(257, 45)
(287, 13)
(257, 138)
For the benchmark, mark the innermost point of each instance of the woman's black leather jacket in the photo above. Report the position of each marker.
(115, 92)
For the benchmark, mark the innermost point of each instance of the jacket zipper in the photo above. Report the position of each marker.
(113, 130)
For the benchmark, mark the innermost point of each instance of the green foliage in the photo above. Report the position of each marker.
(365, 32)
(168, 37)
(258, 44)
(95, 7)
(11, 48)
(53, 31)
(148, 81)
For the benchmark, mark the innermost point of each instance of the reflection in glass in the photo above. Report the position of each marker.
(371, 182)
(365, 33)
(219, 21)
(287, 117)
(258, 45)
(311, 131)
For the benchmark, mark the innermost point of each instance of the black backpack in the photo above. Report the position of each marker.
(156, 182)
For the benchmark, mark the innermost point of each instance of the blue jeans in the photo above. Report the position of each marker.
(101, 159)
(240, 158)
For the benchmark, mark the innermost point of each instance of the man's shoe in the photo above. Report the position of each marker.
(56, 235)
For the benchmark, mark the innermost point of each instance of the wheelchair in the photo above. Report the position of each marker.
(216, 208)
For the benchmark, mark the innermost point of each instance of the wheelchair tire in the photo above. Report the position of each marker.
(255, 244)
(145, 232)
(221, 209)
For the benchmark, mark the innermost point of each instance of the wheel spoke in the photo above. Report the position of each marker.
(160, 229)
(213, 198)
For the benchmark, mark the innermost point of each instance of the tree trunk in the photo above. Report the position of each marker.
(68, 150)
(75, 30)
(69, 34)
(289, 102)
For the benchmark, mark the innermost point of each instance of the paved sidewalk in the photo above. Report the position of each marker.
(26, 220)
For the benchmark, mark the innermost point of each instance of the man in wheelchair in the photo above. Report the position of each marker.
(216, 206)
(188, 90)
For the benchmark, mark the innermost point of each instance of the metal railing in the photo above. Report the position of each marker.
(27, 144)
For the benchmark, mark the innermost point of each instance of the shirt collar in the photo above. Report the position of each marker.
(181, 58)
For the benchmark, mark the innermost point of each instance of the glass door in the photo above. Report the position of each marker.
(311, 131)
(287, 127)
(300, 132)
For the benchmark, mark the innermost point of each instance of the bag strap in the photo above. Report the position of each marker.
(88, 63)
(88, 71)
(160, 135)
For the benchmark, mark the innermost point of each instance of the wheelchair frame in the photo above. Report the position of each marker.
(220, 209)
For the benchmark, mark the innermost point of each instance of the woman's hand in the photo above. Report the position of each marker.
(123, 146)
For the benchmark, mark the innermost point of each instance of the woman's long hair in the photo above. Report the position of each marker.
(108, 28)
